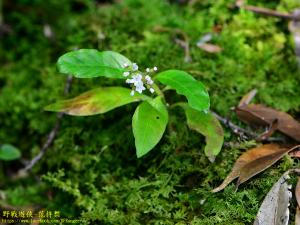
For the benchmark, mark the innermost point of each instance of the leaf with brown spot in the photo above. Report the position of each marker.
(96, 101)
(261, 157)
(262, 115)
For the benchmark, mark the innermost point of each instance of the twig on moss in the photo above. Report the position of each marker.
(183, 41)
(264, 11)
(51, 135)
(244, 133)
(186, 46)
(235, 128)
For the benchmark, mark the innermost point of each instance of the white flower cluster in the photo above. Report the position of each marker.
(138, 79)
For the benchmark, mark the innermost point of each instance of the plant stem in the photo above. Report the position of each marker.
(158, 91)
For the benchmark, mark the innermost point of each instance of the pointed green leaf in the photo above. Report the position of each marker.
(9, 152)
(96, 101)
(149, 123)
(207, 125)
(87, 63)
(186, 85)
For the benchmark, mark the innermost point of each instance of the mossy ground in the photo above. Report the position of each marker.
(91, 171)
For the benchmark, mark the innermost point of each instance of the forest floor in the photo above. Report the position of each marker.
(91, 170)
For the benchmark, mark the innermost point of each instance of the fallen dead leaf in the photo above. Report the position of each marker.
(295, 154)
(260, 164)
(274, 209)
(297, 192)
(253, 162)
(211, 48)
(262, 115)
(297, 216)
(247, 98)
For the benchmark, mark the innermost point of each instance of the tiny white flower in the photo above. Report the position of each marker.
(140, 87)
(126, 74)
(147, 70)
(151, 90)
(148, 80)
(132, 93)
(137, 79)
(135, 67)
(125, 65)
(128, 81)
(155, 68)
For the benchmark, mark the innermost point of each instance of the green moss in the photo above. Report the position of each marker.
(92, 164)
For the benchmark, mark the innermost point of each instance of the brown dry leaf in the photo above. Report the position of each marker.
(260, 164)
(211, 48)
(247, 98)
(259, 158)
(297, 216)
(295, 154)
(262, 115)
(297, 192)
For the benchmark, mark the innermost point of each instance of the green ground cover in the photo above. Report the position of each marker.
(91, 170)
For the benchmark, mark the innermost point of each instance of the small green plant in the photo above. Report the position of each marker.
(9, 152)
(150, 118)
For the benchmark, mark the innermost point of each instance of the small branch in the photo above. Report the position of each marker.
(183, 42)
(186, 46)
(243, 132)
(265, 11)
(235, 128)
(46, 145)
(51, 136)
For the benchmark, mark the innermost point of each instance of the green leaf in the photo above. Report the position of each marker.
(149, 123)
(96, 101)
(9, 152)
(207, 125)
(186, 85)
(88, 63)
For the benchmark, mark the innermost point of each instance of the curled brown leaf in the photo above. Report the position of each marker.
(262, 115)
(253, 162)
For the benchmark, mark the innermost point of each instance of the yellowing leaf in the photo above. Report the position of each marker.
(96, 101)
(207, 125)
